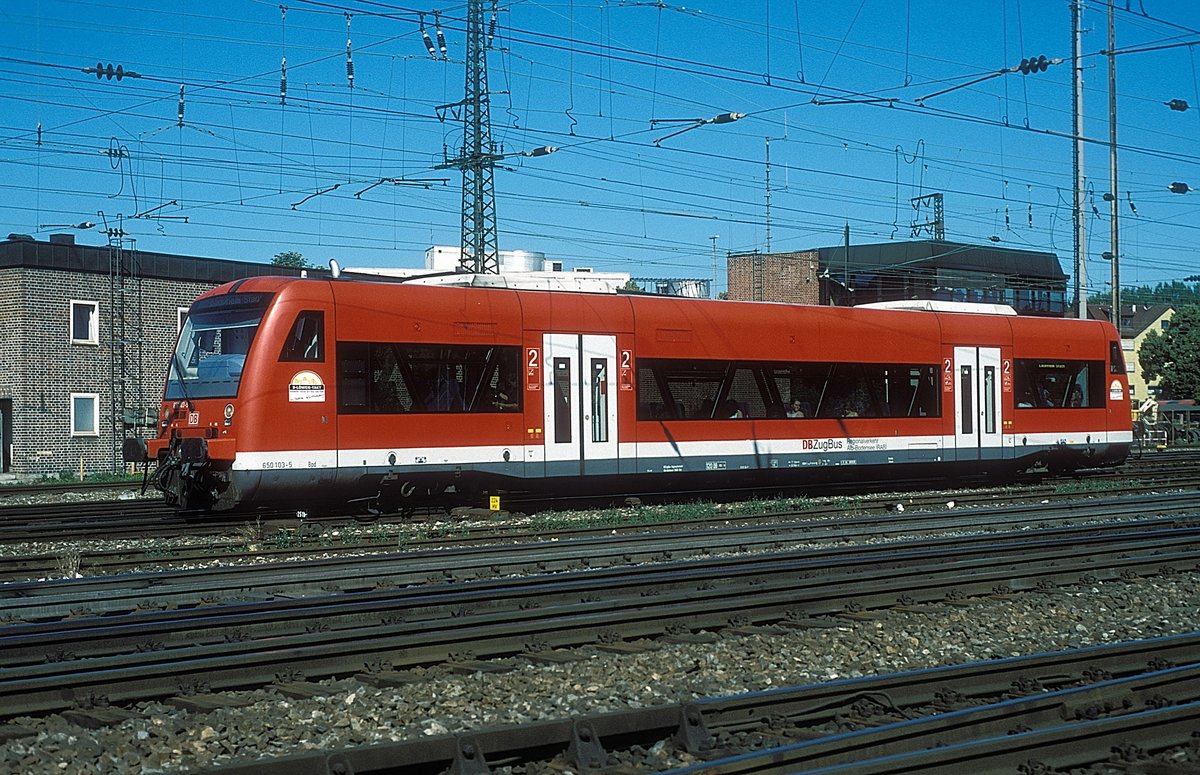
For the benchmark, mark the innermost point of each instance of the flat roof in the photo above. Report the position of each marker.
(945, 255)
(94, 259)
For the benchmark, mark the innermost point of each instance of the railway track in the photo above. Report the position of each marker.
(201, 641)
(487, 555)
(275, 538)
(149, 519)
(127, 657)
(1047, 712)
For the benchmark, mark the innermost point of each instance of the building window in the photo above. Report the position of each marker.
(85, 327)
(181, 314)
(1166, 324)
(85, 413)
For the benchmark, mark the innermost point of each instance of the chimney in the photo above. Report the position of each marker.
(62, 239)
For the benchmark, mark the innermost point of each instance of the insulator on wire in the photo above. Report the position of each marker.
(103, 71)
(1179, 188)
(1037, 64)
(428, 40)
(283, 82)
(441, 39)
(349, 57)
(1180, 105)
(39, 133)
(180, 104)
(492, 22)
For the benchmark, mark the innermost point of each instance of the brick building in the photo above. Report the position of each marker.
(85, 335)
(783, 277)
(1032, 282)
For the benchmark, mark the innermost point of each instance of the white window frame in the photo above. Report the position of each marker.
(181, 314)
(93, 333)
(95, 399)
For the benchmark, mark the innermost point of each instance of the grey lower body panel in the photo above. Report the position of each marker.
(315, 488)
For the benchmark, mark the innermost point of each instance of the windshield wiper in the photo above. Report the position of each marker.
(182, 386)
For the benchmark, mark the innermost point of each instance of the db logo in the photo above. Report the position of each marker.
(821, 445)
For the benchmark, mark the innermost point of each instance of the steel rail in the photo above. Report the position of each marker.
(89, 596)
(314, 543)
(1056, 749)
(271, 616)
(1072, 681)
(110, 519)
(501, 618)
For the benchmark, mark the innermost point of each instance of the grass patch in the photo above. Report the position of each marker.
(66, 563)
(1089, 485)
(670, 512)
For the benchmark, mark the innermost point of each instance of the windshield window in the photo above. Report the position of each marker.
(212, 346)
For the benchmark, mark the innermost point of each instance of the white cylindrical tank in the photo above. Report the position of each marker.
(522, 261)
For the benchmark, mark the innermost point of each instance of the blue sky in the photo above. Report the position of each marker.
(245, 177)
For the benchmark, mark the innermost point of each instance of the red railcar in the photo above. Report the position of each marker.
(307, 392)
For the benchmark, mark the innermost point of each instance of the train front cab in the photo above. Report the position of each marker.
(1070, 395)
(247, 378)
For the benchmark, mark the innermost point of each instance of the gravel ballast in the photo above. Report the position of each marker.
(161, 738)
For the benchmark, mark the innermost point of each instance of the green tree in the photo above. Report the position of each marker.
(1174, 355)
(290, 258)
(631, 286)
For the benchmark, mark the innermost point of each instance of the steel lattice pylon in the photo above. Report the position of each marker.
(480, 244)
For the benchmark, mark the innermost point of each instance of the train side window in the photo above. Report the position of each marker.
(678, 389)
(452, 379)
(398, 378)
(389, 380)
(705, 390)
(500, 390)
(352, 377)
(846, 393)
(901, 390)
(1116, 359)
(306, 341)
(1058, 384)
(746, 394)
(915, 392)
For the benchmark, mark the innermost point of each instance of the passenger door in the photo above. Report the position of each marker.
(580, 404)
(977, 415)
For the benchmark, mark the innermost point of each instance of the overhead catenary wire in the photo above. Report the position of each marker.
(343, 105)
